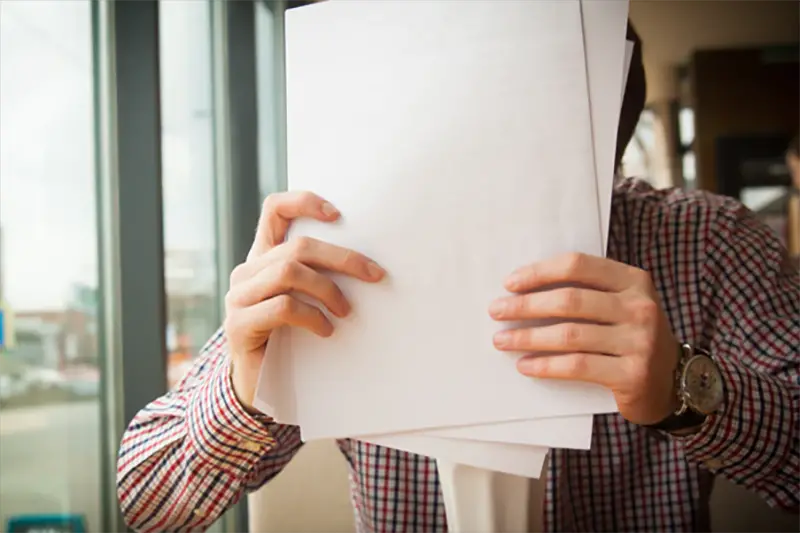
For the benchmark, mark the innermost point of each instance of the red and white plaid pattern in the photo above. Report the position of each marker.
(726, 285)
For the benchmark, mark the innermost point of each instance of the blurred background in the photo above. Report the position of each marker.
(136, 141)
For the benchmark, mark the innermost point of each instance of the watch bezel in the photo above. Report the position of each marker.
(688, 400)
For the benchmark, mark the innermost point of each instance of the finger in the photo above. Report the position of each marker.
(574, 303)
(280, 209)
(591, 368)
(282, 310)
(319, 254)
(563, 338)
(594, 272)
(281, 278)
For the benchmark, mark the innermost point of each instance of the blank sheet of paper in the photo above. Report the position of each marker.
(604, 30)
(451, 187)
(517, 459)
(604, 26)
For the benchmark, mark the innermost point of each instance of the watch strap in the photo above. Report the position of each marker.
(676, 422)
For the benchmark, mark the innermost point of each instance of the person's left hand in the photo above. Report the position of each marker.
(627, 346)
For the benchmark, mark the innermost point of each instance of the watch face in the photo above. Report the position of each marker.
(702, 384)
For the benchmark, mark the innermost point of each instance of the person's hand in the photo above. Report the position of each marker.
(612, 331)
(260, 296)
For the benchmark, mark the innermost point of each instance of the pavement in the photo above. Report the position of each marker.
(50, 461)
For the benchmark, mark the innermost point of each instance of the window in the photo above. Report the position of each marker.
(645, 156)
(270, 82)
(686, 134)
(50, 454)
(188, 181)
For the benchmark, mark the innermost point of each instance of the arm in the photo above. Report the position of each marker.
(751, 298)
(190, 455)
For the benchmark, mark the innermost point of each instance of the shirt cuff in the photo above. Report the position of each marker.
(222, 432)
(750, 436)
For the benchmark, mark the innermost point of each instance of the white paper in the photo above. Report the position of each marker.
(517, 459)
(479, 501)
(629, 45)
(598, 37)
(604, 26)
(467, 93)
(575, 431)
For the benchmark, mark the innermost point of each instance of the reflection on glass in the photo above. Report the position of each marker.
(50, 455)
(188, 181)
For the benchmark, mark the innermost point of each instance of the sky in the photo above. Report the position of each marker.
(47, 145)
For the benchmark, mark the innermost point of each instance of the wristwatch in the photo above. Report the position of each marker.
(700, 390)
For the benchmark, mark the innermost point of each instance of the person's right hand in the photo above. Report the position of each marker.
(260, 295)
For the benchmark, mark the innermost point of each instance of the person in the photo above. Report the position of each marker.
(793, 205)
(692, 321)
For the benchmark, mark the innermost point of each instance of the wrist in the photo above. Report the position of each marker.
(697, 392)
(237, 390)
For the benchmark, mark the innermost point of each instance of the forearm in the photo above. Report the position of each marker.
(191, 455)
(749, 295)
(753, 439)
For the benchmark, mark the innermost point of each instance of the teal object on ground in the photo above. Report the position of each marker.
(47, 523)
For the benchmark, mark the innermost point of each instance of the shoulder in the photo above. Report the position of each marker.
(695, 215)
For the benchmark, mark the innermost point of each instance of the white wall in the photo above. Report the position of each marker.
(310, 495)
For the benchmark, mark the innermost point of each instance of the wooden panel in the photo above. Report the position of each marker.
(736, 92)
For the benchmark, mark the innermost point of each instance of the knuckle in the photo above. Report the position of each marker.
(231, 326)
(306, 197)
(644, 344)
(643, 310)
(270, 202)
(289, 271)
(351, 261)
(237, 274)
(570, 334)
(643, 278)
(573, 262)
(576, 365)
(300, 246)
(570, 301)
(285, 306)
(636, 373)
(518, 306)
(230, 301)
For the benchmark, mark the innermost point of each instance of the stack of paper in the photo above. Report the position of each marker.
(460, 140)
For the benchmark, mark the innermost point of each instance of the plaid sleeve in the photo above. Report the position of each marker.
(190, 455)
(751, 296)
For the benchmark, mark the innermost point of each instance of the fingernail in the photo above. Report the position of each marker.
(374, 271)
(513, 281)
(328, 210)
(497, 309)
(502, 339)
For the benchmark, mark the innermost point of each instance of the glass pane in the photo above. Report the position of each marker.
(188, 180)
(269, 79)
(50, 455)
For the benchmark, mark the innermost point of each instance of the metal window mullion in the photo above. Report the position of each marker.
(131, 216)
(140, 204)
(235, 150)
